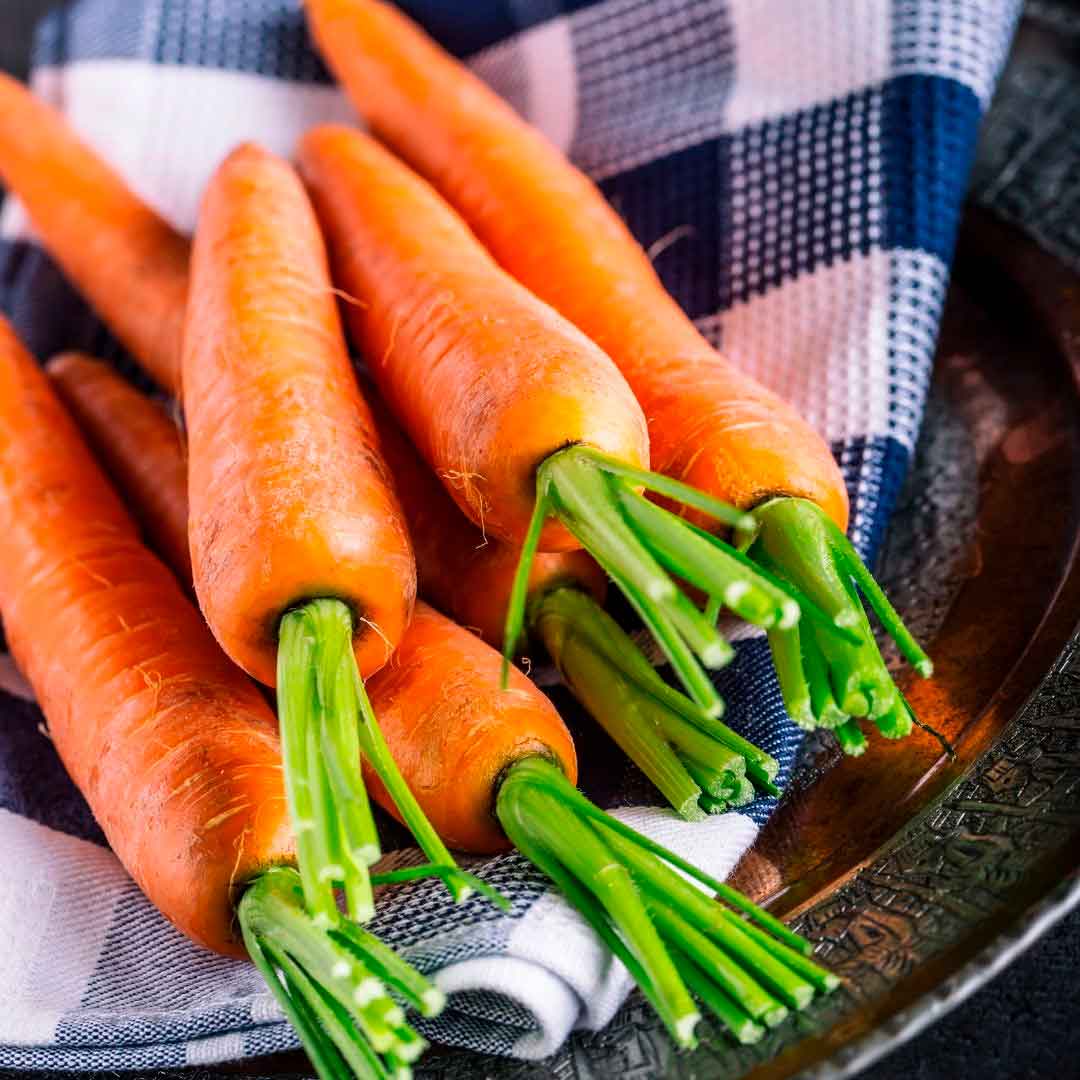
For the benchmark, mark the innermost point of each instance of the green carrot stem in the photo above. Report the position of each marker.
(712, 805)
(444, 873)
(514, 629)
(661, 882)
(589, 860)
(567, 606)
(909, 648)
(695, 680)
(717, 785)
(786, 648)
(826, 712)
(320, 1049)
(327, 980)
(809, 610)
(745, 794)
(651, 918)
(798, 542)
(298, 709)
(692, 742)
(851, 738)
(592, 496)
(586, 501)
(723, 971)
(327, 724)
(824, 981)
(574, 799)
(395, 972)
(548, 832)
(709, 566)
(675, 490)
(744, 1029)
(569, 623)
(714, 605)
(607, 672)
(333, 1020)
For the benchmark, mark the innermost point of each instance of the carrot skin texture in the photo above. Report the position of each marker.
(487, 380)
(140, 445)
(459, 570)
(128, 262)
(174, 749)
(710, 424)
(289, 498)
(453, 731)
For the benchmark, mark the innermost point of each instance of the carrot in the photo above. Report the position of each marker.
(174, 749)
(491, 766)
(130, 264)
(141, 447)
(710, 425)
(301, 560)
(521, 417)
(699, 764)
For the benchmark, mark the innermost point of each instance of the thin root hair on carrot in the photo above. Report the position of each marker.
(676, 941)
(830, 680)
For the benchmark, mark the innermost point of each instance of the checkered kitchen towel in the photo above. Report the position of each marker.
(796, 169)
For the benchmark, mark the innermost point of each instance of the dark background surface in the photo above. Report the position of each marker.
(1025, 1024)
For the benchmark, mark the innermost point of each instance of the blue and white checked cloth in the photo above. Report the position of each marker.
(797, 171)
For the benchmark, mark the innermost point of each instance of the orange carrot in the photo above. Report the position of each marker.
(710, 425)
(139, 444)
(454, 732)
(301, 559)
(130, 264)
(520, 416)
(289, 498)
(150, 719)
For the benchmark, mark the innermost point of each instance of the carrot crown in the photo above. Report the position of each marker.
(828, 681)
(743, 964)
(327, 725)
(643, 547)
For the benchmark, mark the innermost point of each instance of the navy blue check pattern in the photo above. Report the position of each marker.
(796, 172)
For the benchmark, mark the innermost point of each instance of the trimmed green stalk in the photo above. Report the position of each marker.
(327, 725)
(672, 938)
(644, 548)
(332, 983)
(671, 739)
(829, 680)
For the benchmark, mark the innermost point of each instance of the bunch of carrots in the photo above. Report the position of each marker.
(544, 421)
